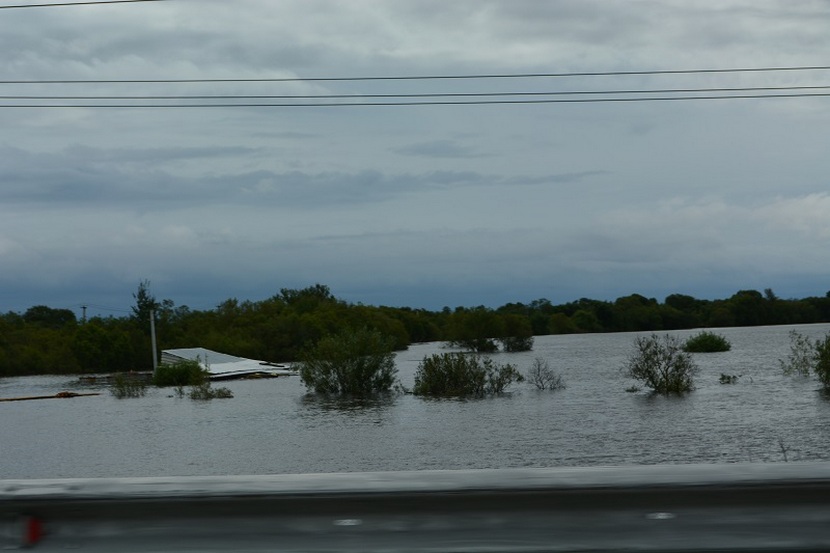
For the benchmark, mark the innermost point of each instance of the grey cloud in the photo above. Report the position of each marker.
(469, 204)
(154, 155)
(286, 135)
(82, 174)
(438, 149)
(562, 178)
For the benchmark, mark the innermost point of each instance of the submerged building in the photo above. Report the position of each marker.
(221, 366)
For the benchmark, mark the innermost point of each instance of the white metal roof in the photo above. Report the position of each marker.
(222, 365)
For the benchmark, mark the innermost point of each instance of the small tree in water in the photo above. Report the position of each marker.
(543, 377)
(662, 365)
(358, 363)
(807, 356)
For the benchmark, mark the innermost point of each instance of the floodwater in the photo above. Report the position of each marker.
(273, 426)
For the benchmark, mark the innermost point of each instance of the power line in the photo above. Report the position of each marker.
(423, 103)
(418, 95)
(425, 77)
(63, 4)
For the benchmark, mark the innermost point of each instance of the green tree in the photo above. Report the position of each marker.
(636, 312)
(102, 348)
(476, 329)
(49, 318)
(586, 320)
(353, 362)
(750, 308)
(145, 305)
(307, 299)
(662, 365)
(560, 323)
(517, 334)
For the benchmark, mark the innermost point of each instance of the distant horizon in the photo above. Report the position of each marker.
(111, 308)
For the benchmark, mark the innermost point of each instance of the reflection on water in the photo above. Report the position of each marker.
(312, 403)
(274, 426)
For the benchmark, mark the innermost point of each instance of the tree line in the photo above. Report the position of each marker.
(44, 340)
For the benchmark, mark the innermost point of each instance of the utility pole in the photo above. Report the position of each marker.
(153, 341)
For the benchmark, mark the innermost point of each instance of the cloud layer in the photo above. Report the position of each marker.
(420, 205)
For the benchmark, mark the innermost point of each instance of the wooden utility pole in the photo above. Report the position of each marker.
(153, 341)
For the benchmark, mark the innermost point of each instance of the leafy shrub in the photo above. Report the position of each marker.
(478, 345)
(128, 385)
(183, 373)
(800, 360)
(662, 365)
(808, 356)
(460, 375)
(543, 377)
(822, 359)
(499, 377)
(358, 363)
(707, 342)
(516, 343)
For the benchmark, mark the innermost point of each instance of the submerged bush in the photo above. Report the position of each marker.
(462, 375)
(822, 359)
(206, 392)
(662, 365)
(516, 343)
(808, 356)
(183, 373)
(707, 342)
(189, 373)
(358, 363)
(128, 385)
(728, 378)
(543, 377)
(478, 345)
(801, 358)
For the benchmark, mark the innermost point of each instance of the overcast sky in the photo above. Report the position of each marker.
(420, 206)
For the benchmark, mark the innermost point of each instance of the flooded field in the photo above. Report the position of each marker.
(273, 426)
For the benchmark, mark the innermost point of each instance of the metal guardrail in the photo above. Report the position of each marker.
(680, 508)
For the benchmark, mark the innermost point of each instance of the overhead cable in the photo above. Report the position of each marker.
(424, 77)
(64, 4)
(428, 103)
(416, 95)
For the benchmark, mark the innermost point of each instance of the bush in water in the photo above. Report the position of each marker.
(353, 362)
(462, 375)
(183, 373)
(707, 342)
(128, 385)
(661, 365)
(543, 377)
(808, 356)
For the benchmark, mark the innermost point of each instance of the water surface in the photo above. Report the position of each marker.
(273, 426)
